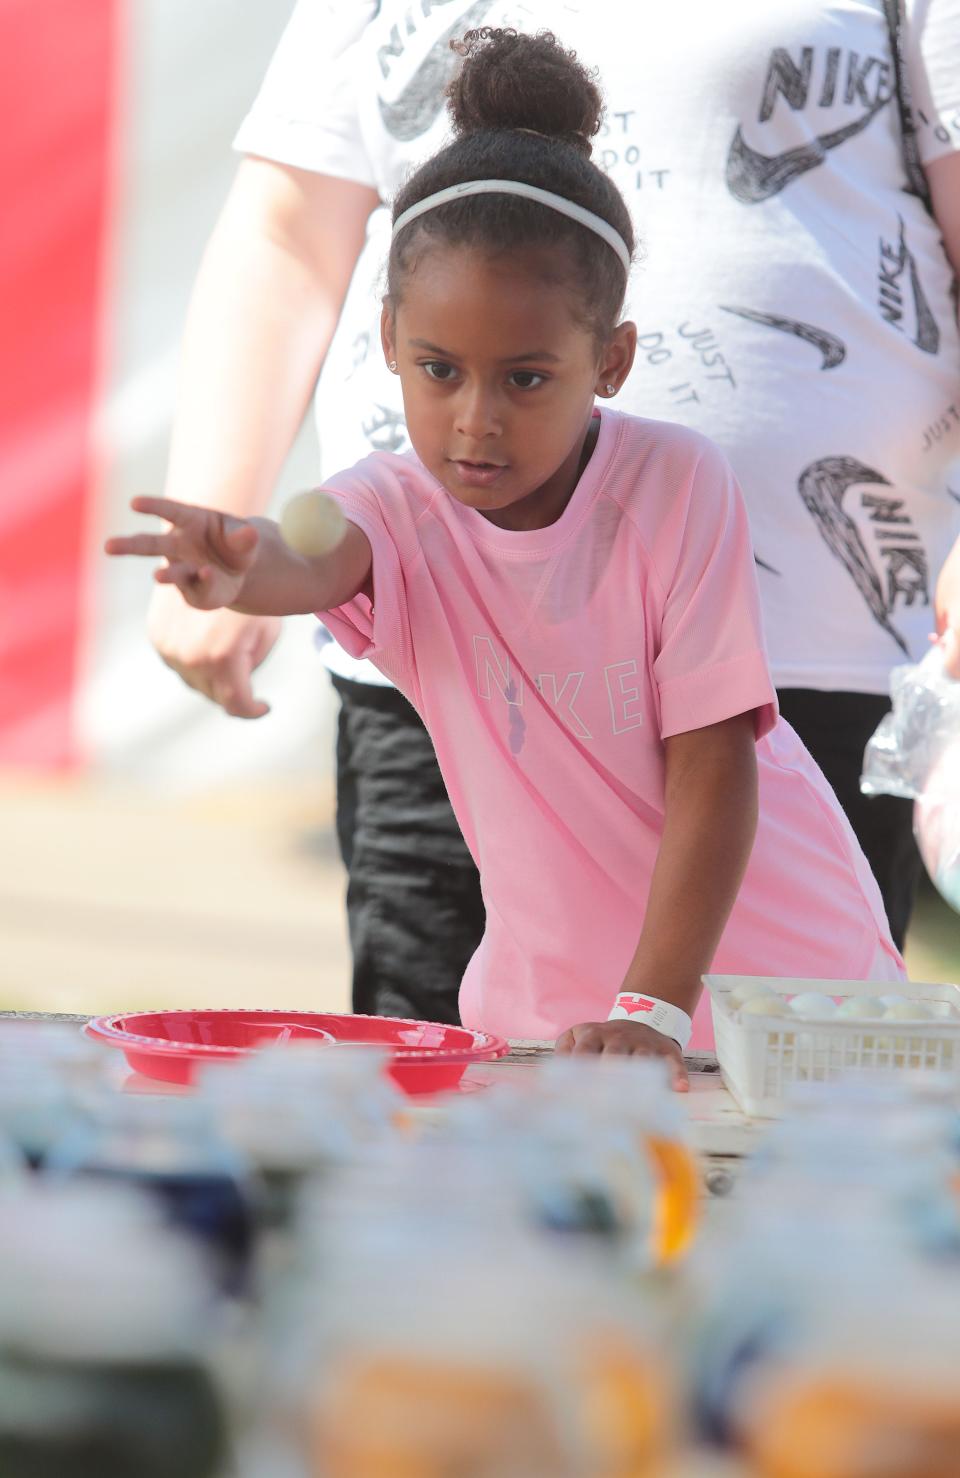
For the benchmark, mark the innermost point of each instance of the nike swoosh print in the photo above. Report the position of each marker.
(385, 430)
(927, 336)
(753, 177)
(832, 349)
(422, 99)
(822, 487)
(928, 333)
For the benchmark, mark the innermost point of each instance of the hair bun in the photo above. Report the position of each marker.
(512, 80)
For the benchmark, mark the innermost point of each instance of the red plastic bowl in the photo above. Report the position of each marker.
(425, 1056)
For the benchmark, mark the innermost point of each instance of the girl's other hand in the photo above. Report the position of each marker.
(627, 1038)
(208, 554)
(947, 609)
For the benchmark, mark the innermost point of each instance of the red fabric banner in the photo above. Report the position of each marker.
(57, 71)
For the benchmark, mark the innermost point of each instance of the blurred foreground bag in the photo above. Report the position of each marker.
(915, 754)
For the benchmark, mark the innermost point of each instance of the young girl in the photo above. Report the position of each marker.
(567, 597)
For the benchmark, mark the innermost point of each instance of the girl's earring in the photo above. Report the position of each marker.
(609, 389)
(392, 366)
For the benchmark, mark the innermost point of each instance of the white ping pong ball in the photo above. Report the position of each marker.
(765, 1005)
(812, 1004)
(312, 524)
(907, 1011)
(747, 989)
(861, 1008)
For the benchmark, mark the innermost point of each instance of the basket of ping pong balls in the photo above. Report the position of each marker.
(773, 1032)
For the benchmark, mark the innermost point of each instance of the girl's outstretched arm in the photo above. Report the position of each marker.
(262, 312)
(217, 560)
(709, 827)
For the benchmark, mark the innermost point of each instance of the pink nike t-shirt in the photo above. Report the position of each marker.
(549, 666)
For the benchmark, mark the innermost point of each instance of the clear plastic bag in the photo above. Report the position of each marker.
(915, 753)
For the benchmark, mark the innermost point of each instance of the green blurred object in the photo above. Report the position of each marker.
(933, 943)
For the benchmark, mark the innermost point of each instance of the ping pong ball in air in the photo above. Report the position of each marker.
(812, 1004)
(312, 524)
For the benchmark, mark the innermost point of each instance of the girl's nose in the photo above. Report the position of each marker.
(477, 413)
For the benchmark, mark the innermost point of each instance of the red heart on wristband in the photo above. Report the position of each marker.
(632, 1007)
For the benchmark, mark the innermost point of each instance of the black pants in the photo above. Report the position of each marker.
(414, 909)
(835, 728)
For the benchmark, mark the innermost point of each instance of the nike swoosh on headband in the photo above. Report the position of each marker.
(423, 97)
(833, 350)
(753, 177)
(559, 203)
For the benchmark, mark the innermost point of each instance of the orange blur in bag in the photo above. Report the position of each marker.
(395, 1417)
(625, 1411)
(839, 1426)
(678, 1197)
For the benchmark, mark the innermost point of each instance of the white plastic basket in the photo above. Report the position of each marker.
(762, 1056)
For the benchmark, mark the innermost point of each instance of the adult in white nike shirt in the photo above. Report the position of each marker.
(796, 304)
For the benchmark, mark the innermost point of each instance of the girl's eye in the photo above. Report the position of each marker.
(526, 379)
(436, 369)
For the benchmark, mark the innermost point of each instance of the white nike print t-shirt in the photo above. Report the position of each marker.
(793, 300)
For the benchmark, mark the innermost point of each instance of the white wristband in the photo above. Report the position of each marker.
(669, 1020)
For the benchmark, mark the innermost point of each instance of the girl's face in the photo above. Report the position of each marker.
(499, 378)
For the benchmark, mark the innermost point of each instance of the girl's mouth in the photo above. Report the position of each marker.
(478, 474)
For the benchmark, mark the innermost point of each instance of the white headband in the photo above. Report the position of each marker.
(559, 203)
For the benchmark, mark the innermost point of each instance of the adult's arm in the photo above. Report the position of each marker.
(944, 177)
(264, 307)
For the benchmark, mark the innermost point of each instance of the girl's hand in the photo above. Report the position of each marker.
(628, 1038)
(208, 554)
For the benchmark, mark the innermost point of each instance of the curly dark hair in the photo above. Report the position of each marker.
(523, 108)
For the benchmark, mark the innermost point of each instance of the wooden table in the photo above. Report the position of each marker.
(721, 1134)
